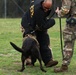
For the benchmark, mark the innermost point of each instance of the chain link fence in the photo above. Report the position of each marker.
(13, 8)
(16, 8)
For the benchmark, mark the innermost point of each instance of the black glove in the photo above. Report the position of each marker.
(49, 23)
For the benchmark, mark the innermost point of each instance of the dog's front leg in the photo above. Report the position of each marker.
(23, 60)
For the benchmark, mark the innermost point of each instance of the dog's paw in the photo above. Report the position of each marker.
(21, 70)
(43, 70)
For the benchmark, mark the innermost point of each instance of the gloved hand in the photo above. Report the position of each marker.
(46, 24)
(49, 23)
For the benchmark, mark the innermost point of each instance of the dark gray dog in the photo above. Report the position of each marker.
(30, 47)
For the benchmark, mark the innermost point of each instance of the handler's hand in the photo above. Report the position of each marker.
(58, 11)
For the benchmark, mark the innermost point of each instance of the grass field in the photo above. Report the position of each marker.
(10, 60)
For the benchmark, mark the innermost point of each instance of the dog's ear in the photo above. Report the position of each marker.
(16, 47)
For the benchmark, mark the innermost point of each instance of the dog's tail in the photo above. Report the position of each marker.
(16, 47)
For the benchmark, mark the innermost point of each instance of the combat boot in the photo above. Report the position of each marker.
(63, 68)
(51, 63)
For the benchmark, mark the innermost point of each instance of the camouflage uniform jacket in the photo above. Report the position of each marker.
(68, 6)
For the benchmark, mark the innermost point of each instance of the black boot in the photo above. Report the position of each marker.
(51, 63)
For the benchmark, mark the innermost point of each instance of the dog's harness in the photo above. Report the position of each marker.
(30, 36)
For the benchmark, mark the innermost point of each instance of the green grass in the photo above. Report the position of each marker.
(10, 60)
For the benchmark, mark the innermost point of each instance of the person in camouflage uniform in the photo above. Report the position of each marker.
(69, 33)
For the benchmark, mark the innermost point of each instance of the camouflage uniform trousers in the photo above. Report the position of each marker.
(69, 36)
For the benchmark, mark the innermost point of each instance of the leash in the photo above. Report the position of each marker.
(61, 42)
